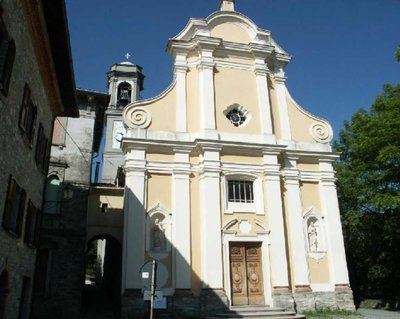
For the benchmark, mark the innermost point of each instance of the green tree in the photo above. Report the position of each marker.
(369, 194)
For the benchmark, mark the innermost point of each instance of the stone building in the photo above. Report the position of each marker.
(36, 84)
(229, 182)
(60, 272)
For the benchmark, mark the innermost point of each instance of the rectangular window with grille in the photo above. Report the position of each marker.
(240, 191)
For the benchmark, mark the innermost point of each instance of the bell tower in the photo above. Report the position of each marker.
(125, 81)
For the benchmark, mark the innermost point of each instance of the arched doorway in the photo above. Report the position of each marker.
(3, 292)
(102, 274)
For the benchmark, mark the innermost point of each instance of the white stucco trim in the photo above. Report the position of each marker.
(335, 241)
(181, 234)
(295, 225)
(134, 219)
(210, 221)
(273, 199)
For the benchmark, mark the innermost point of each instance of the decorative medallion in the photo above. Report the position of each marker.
(245, 227)
(138, 117)
(321, 132)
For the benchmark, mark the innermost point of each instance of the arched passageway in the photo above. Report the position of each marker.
(102, 275)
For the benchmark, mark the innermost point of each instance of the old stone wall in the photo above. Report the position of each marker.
(17, 157)
(64, 235)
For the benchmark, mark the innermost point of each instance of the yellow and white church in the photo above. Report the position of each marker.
(229, 182)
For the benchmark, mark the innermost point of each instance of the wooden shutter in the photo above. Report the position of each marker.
(9, 203)
(7, 67)
(23, 115)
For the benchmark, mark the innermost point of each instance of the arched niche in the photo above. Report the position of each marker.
(314, 232)
(158, 231)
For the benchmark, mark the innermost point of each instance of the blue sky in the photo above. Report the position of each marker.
(343, 50)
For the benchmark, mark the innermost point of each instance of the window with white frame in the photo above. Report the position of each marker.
(243, 194)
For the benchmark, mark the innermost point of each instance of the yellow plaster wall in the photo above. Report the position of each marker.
(241, 159)
(300, 123)
(308, 166)
(193, 100)
(195, 234)
(310, 196)
(236, 86)
(231, 32)
(159, 189)
(229, 59)
(319, 270)
(194, 159)
(274, 109)
(163, 112)
(158, 157)
(110, 223)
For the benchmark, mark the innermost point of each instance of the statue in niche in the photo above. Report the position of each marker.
(312, 237)
(158, 235)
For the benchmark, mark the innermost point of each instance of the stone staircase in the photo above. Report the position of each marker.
(256, 312)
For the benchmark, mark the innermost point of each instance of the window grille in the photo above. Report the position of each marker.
(240, 192)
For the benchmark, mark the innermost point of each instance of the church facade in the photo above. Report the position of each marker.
(229, 183)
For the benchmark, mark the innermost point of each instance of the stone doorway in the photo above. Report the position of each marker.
(246, 273)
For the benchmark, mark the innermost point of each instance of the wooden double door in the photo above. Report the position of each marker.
(247, 285)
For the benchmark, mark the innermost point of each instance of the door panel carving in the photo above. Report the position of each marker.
(246, 274)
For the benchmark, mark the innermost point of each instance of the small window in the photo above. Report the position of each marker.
(243, 194)
(236, 117)
(240, 191)
(14, 208)
(53, 195)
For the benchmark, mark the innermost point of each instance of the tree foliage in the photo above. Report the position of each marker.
(369, 194)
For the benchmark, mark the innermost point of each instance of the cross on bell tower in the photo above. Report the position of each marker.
(227, 5)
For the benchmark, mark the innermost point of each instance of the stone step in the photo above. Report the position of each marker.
(256, 312)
